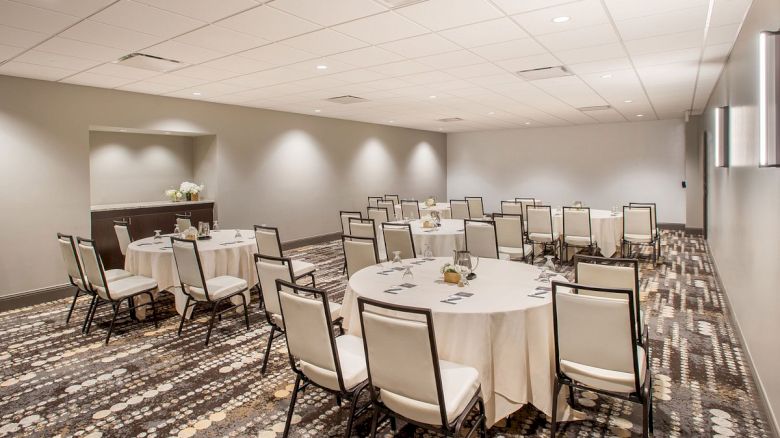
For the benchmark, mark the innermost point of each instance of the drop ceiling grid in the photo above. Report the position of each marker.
(468, 83)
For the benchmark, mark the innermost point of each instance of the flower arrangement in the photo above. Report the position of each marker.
(451, 273)
(187, 190)
(190, 188)
(174, 195)
(449, 267)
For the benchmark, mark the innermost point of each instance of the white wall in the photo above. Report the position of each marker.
(602, 165)
(744, 207)
(125, 167)
(294, 171)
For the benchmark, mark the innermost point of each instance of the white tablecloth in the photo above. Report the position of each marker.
(218, 256)
(442, 207)
(442, 240)
(501, 331)
(607, 229)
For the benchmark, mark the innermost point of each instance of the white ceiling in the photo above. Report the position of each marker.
(432, 59)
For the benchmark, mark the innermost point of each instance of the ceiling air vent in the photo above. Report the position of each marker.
(544, 73)
(345, 100)
(594, 108)
(450, 119)
(393, 4)
(149, 62)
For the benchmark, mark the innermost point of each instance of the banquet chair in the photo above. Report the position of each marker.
(269, 244)
(514, 208)
(459, 209)
(638, 230)
(526, 202)
(395, 198)
(77, 278)
(360, 227)
(410, 209)
(389, 205)
(577, 230)
(359, 252)
(510, 234)
(183, 221)
(270, 269)
(379, 216)
(373, 200)
(318, 358)
(122, 231)
(597, 347)
(406, 378)
(213, 291)
(116, 291)
(481, 239)
(344, 217)
(540, 227)
(653, 220)
(610, 272)
(398, 237)
(476, 207)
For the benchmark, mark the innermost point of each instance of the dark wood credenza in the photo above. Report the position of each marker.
(143, 218)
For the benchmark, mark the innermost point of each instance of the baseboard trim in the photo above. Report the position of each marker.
(32, 297)
(671, 226)
(694, 231)
(748, 356)
(313, 240)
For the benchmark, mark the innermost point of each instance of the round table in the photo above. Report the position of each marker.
(223, 254)
(442, 240)
(500, 330)
(442, 207)
(607, 228)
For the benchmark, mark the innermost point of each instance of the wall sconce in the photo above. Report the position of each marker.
(722, 136)
(769, 95)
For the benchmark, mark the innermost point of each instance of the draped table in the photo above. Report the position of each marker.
(500, 330)
(223, 254)
(442, 240)
(442, 207)
(607, 228)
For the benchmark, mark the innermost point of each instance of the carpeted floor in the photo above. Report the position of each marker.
(151, 383)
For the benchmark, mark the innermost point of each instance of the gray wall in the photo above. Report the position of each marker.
(125, 167)
(602, 165)
(744, 207)
(290, 170)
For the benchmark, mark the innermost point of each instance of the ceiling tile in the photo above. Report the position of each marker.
(23, 69)
(20, 37)
(7, 52)
(529, 62)
(221, 39)
(175, 81)
(581, 14)
(428, 78)
(401, 68)
(510, 49)
(205, 73)
(512, 7)
(203, 10)
(238, 64)
(423, 45)
(572, 90)
(123, 71)
(472, 71)
(669, 57)
(32, 18)
(278, 54)
(729, 12)
(677, 21)
(722, 34)
(207, 90)
(96, 80)
(684, 40)
(358, 75)
(445, 14)
(179, 51)
(589, 54)
(149, 87)
(269, 77)
(368, 56)
(451, 59)
(98, 33)
(271, 24)
(79, 8)
(381, 28)
(626, 9)
(329, 13)
(142, 18)
(80, 49)
(487, 32)
(54, 60)
(325, 42)
(598, 35)
(333, 65)
(600, 66)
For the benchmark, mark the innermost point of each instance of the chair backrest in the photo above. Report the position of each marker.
(510, 230)
(526, 202)
(379, 216)
(576, 222)
(653, 211)
(540, 219)
(373, 200)
(93, 267)
(476, 209)
(595, 331)
(459, 209)
(481, 240)
(309, 332)
(187, 258)
(388, 205)
(395, 198)
(410, 209)
(401, 353)
(637, 220)
(122, 230)
(609, 273)
(71, 259)
(268, 242)
(270, 269)
(512, 207)
(398, 237)
(359, 252)
(183, 221)
(362, 227)
(345, 215)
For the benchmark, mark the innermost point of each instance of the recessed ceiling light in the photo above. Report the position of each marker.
(640, 115)
(196, 93)
(491, 113)
(391, 121)
(606, 76)
(561, 19)
(123, 130)
(317, 111)
(432, 96)
(322, 67)
(628, 101)
(527, 123)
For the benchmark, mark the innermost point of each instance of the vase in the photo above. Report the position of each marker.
(195, 197)
(452, 277)
(188, 196)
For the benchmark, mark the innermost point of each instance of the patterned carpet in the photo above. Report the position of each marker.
(151, 383)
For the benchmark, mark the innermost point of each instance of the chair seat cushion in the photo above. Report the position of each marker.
(638, 238)
(459, 384)
(542, 237)
(515, 253)
(219, 287)
(353, 365)
(608, 380)
(300, 267)
(111, 275)
(128, 286)
(579, 240)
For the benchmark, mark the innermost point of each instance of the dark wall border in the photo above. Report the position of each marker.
(322, 238)
(33, 297)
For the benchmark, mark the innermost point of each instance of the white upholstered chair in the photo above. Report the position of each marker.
(113, 291)
(317, 357)
(373, 200)
(638, 229)
(270, 269)
(653, 221)
(379, 216)
(540, 227)
(359, 252)
(510, 234)
(395, 198)
(481, 240)
(410, 209)
(389, 205)
(526, 202)
(198, 290)
(514, 208)
(459, 209)
(344, 217)
(407, 379)
(597, 346)
(577, 230)
(398, 237)
(476, 207)
(122, 231)
(270, 244)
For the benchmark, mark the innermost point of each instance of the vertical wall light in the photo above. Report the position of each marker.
(769, 93)
(722, 136)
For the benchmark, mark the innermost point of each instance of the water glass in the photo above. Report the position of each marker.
(397, 257)
(427, 252)
(216, 226)
(157, 235)
(408, 275)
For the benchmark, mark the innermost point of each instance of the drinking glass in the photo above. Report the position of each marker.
(176, 230)
(427, 252)
(157, 235)
(216, 226)
(408, 275)
(238, 234)
(397, 257)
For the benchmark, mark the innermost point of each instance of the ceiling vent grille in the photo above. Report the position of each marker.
(594, 108)
(346, 100)
(450, 119)
(149, 62)
(535, 74)
(394, 4)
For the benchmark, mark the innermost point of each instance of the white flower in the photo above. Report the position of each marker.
(189, 187)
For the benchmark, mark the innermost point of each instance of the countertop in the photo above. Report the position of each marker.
(108, 207)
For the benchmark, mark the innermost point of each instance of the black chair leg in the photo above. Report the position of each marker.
(90, 309)
(113, 319)
(91, 315)
(483, 426)
(184, 314)
(154, 309)
(268, 350)
(554, 417)
(352, 408)
(374, 421)
(246, 311)
(211, 321)
(292, 406)
(72, 305)
(572, 400)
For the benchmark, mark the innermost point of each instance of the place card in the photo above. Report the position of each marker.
(393, 290)
(429, 259)
(408, 285)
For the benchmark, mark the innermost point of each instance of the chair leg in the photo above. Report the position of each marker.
(483, 427)
(91, 315)
(313, 282)
(154, 309)
(374, 421)
(246, 312)
(113, 319)
(268, 350)
(90, 309)
(572, 400)
(184, 314)
(554, 418)
(352, 408)
(645, 419)
(292, 406)
(211, 321)
(72, 305)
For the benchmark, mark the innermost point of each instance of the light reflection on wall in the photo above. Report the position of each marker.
(423, 167)
(373, 168)
(298, 156)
